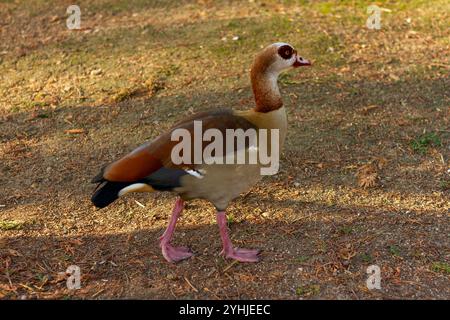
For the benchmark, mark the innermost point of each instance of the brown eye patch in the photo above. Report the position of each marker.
(285, 51)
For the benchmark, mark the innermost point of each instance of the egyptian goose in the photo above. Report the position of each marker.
(151, 166)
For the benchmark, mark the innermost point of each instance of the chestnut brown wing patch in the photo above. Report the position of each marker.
(156, 154)
(134, 166)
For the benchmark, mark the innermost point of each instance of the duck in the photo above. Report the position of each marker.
(161, 165)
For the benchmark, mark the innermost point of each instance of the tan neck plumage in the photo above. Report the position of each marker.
(265, 89)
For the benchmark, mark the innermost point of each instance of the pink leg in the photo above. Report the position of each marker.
(242, 255)
(173, 254)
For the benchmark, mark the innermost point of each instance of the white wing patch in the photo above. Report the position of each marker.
(132, 188)
(194, 173)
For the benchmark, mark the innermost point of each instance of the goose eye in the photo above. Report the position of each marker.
(285, 52)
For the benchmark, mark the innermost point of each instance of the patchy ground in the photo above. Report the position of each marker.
(365, 172)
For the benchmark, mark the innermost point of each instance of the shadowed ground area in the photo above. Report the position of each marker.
(364, 175)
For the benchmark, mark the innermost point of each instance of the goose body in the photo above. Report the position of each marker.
(151, 167)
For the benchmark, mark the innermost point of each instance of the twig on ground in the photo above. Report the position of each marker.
(191, 285)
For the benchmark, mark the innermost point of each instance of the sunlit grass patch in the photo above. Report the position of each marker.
(441, 267)
(6, 225)
(308, 290)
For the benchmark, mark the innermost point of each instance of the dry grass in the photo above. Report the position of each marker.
(375, 104)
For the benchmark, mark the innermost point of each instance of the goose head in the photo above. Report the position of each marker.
(278, 57)
(266, 68)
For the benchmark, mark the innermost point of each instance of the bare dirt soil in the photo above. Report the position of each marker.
(364, 175)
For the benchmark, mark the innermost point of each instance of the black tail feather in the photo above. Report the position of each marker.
(107, 192)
